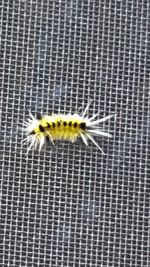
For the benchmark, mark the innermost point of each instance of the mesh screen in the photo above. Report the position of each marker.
(69, 205)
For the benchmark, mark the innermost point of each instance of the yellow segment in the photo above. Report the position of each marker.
(61, 127)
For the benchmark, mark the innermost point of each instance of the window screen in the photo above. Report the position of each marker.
(69, 205)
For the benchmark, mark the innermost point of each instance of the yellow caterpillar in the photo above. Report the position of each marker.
(63, 127)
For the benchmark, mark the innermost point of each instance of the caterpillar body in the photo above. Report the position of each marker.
(63, 127)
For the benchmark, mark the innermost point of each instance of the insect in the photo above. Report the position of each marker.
(63, 127)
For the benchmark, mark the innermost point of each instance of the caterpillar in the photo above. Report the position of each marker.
(63, 127)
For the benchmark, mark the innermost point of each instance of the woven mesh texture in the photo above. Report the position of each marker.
(69, 205)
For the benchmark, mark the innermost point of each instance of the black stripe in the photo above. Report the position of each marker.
(41, 128)
(48, 125)
(82, 125)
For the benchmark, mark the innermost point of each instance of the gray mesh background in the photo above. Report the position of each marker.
(69, 205)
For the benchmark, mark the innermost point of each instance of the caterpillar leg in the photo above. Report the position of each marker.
(41, 142)
(87, 108)
(98, 132)
(83, 136)
(94, 142)
(92, 123)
